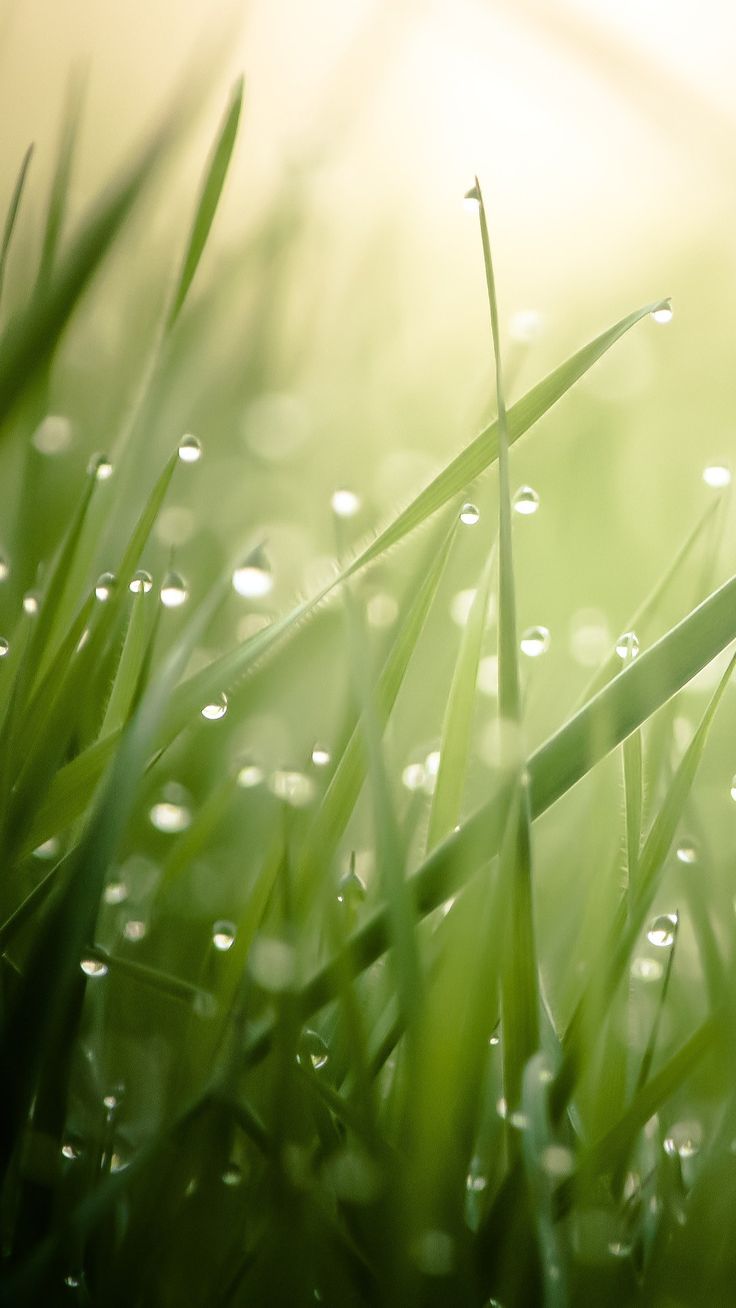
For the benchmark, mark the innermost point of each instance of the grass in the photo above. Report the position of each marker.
(301, 1032)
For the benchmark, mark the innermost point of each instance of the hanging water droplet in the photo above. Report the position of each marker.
(190, 450)
(117, 1162)
(414, 776)
(683, 1139)
(105, 585)
(49, 849)
(663, 930)
(216, 710)
(223, 936)
(71, 1149)
(4, 568)
(476, 1179)
(31, 603)
(252, 579)
(140, 583)
(494, 1041)
(620, 1248)
(717, 475)
(686, 852)
(113, 1099)
(115, 892)
(272, 964)
(100, 467)
(172, 812)
(94, 967)
(249, 775)
(232, 1175)
(134, 929)
(469, 514)
(525, 501)
(471, 199)
(627, 646)
(293, 787)
(321, 756)
(663, 313)
(351, 890)
(174, 591)
(535, 641)
(345, 503)
(313, 1050)
(646, 969)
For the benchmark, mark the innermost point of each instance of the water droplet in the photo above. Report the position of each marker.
(272, 964)
(4, 568)
(223, 936)
(434, 1253)
(174, 591)
(134, 930)
(105, 585)
(115, 892)
(476, 1179)
(216, 710)
(73, 1280)
(646, 969)
(414, 776)
(351, 890)
(717, 475)
(113, 1099)
(502, 1107)
(172, 812)
(249, 775)
(683, 1139)
(733, 787)
(345, 503)
(620, 1248)
(313, 1050)
(535, 641)
(190, 450)
(53, 435)
(232, 1175)
(252, 579)
(663, 930)
(71, 1149)
(321, 756)
(471, 199)
(49, 849)
(557, 1161)
(627, 646)
(118, 1163)
(140, 583)
(525, 501)
(293, 787)
(494, 1041)
(663, 313)
(382, 610)
(469, 514)
(94, 967)
(686, 852)
(31, 603)
(100, 467)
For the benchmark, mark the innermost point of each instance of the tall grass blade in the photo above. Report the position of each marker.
(12, 214)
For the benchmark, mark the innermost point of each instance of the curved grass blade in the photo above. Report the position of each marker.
(56, 211)
(12, 214)
(602, 724)
(537, 1138)
(173, 987)
(208, 200)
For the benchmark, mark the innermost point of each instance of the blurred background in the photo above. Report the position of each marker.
(337, 333)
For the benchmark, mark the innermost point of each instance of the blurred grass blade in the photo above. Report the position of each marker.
(173, 987)
(59, 194)
(457, 724)
(537, 1142)
(208, 200)
(633, 799)
(12, 214)
(648, 1059)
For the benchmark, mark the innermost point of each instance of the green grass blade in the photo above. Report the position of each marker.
(208, 200)
(12, 214)
(69, 793)
(633, 801)
(59, 194)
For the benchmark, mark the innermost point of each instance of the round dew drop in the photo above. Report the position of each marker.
(535, 641)
(249, 775)
(683, 1139)
(525, 501)
(252, 581)
(662, 314)
(105, 585)
(717, 475)
(663, 930)
(190, 450)
(216, 710)
(30, 603)
(313, 1050)
(686, 852)
(140, 583)
(171, 813)
(94, 967)
(223, 936)
(321, 756)
(100, 467)
(469, 514)
(345, 503)
(173, 591)
(627, 646)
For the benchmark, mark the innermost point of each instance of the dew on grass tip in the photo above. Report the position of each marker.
(223, 936)
(469, 514)
(173, 591)
(534, 642)
(216, 709)
(525, 501)
(312, 1050)
(100, 467)
(190, 450)
(471, 199)
(253, 579)
(663, 313)
(94, 967)
(351, 890)
(663, 930)
(320, 756)
(140, 583)
(105, 585)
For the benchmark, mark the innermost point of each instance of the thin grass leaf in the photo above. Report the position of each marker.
(208, 200)
(537, 1139)
(173, 987)
(648, 1058)
(633, 803)
(12, 214)
(127, 677)
(59, 194)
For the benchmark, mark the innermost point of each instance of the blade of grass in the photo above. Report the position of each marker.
(12, 214)
(56, 211)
